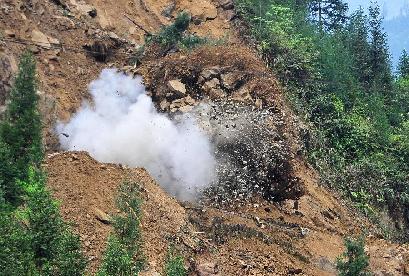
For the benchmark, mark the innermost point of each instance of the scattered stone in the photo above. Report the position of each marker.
(226, 4)
(211, 85)
(216, 94)
(230, 80)
(93, 13)
(294, 271)
(229, 15)
(168, 10)
(177, 87)
(10, 33)
(304, 231)
(102, 216)
(209, 73)
(114, 36)
(259, 103)
(150, 272)
(207, 269)
(164, 105)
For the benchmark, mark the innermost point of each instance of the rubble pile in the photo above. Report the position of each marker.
(253, 156)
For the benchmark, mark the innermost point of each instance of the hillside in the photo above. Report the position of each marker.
(292, 225)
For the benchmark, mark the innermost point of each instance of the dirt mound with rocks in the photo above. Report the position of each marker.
(86, 190)
(256, 238)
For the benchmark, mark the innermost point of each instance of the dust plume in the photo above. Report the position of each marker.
(122, 126)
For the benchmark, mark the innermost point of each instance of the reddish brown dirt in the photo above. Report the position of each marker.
(258, 238)
(81, 185)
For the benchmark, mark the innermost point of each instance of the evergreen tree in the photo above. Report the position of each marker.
(20, 133)
(381, 78)
(403, 66)
(21, 130)
(359, 46)
(330, 15)
(354, 261)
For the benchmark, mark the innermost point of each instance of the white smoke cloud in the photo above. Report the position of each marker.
(123, 126)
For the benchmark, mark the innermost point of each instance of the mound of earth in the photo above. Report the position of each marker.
(86, 190)
(257, 238)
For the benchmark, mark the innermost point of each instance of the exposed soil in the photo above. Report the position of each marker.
(255, 237)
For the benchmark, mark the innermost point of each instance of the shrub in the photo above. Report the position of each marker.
(44, 246)
(354, 261)
(175, 265)
(55, 248)
(172, 34)
(16, 255)
(124, 255)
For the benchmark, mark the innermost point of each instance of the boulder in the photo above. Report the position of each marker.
(177, 88)
(242, 95)
(10, 33)
(202, 10)
(184, 105)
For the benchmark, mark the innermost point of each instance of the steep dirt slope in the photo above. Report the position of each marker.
(252, 238)
(259, 238)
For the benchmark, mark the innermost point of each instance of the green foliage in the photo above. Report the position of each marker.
(175, 35)
(55, 248)
(329, 15)
(118, 260)
(16, 256)
(403, 66)
(339, 79)
(175, 264)
(272, 24)
(354, 262)
(34, 240)
(124, 255)
(20, 133)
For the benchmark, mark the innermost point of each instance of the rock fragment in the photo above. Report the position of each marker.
(177, 88)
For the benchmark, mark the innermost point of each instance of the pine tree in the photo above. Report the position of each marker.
(403, 66)
(359, 46)
(330, 15)
(381, 77)
(21, 130)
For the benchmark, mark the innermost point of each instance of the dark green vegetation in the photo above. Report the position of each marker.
(354, 261)
(175, 264)
(34, 240)
(338, 76)
(174, 37)
(175, 34)
(124, 255)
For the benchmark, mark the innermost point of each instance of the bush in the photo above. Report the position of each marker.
(354, 262)
(175, 265)
(16, 255)
(124, 255)
(44, 245)
(55, 248)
